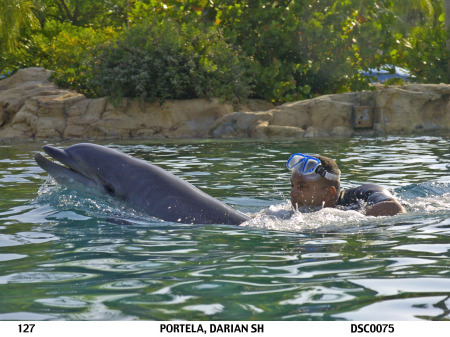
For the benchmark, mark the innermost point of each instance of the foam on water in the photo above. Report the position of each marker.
(280, 217)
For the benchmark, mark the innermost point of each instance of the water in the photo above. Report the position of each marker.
(69, 256)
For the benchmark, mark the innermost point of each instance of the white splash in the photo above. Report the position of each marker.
(282, 218)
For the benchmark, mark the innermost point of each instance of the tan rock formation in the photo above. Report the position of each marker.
(409, 109)
(415, 107)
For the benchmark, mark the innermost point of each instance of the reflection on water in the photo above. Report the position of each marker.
(66, 255)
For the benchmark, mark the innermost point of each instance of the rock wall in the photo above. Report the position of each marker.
(410, 109)
(32, 107)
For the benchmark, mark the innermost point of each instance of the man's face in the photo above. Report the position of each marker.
(305, 192)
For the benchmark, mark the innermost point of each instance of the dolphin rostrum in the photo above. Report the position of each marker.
(144, 186)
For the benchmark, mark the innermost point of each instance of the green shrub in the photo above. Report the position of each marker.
(303, 48)
(69, 52)
(65, 49)
(426, 55)
(166, 60)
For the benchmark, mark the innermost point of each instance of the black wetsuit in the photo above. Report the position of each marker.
(364, 195)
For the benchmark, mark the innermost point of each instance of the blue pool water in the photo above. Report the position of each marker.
(65, 255)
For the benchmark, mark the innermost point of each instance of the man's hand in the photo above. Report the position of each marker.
(391, 207)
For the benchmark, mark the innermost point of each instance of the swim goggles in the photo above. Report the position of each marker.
(309, 167)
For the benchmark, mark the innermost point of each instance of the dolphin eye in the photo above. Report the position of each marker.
(110, 189)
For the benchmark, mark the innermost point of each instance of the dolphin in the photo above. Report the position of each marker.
(145, 187)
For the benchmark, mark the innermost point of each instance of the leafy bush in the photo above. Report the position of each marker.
(68, 54)
(304, 48)
(65, 49)
(166, 60)
(425, 52)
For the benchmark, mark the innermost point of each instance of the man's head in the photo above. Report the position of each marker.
(314, 189)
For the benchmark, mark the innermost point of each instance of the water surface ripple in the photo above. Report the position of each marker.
(69, 256)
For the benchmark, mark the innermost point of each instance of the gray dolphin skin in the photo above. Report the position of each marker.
(145, 187)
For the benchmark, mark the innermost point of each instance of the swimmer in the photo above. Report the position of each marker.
(315, 182)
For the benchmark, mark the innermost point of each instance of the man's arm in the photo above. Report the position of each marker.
(383, 208)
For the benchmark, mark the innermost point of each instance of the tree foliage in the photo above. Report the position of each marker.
(83, 12)
(16, 16)
(303, 48)
(277, 50)
(424, 49)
